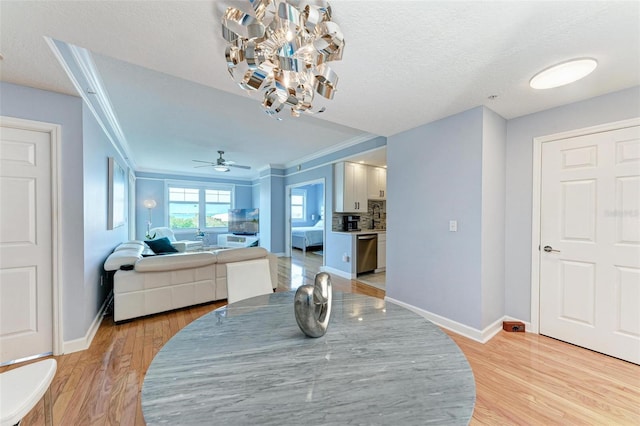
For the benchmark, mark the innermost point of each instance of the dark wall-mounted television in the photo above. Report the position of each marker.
(244, 221)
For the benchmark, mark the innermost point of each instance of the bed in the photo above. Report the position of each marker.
(304, 237)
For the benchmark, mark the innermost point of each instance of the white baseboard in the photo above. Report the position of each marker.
(482, 336)
(337, 272)
(491, 330)
(83, 343)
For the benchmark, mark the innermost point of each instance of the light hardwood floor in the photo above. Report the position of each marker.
(521, 379)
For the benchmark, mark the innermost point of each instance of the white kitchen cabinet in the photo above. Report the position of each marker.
(350, 188)
(382, 251)
(376, 183)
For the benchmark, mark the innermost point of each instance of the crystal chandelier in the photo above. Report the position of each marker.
(281, 48)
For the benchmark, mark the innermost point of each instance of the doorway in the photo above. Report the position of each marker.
(305, 218)
(586, 254)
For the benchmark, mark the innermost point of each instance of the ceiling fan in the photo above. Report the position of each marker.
(221, 165)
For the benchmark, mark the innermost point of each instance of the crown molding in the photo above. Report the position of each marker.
(330, 150)
(217, 175)
(79, 66)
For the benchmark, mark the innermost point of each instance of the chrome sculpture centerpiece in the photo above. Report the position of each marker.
(281, 48)
(312, 305)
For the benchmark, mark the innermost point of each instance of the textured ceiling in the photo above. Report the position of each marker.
(406, 63)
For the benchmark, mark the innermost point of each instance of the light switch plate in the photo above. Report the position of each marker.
(453, 226)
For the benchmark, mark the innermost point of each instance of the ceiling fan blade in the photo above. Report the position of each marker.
(204, 165)
(201, 161)
(238, 166)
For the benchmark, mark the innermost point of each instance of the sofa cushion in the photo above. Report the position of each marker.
(175, 261)
(130, 245)
(237, 255)
(161, 245)
(126, 256)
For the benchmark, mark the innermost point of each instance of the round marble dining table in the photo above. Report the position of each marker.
(248, 363)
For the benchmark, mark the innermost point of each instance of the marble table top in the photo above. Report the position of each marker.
(249, 363)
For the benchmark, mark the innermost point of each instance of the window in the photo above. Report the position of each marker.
(192, 208)
(298, 205)
(218, 203)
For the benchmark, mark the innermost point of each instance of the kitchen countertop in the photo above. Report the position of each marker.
(362, 231)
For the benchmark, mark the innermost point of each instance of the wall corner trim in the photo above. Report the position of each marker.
(84, 342)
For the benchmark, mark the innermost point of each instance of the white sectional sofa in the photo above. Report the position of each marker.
(148, 285)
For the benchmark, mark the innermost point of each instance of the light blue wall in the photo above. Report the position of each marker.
(255, 193)
(434, 176)
(521, 131)
(494, 137)
(265, 212)
(85, 239)
(277, 207)
(98, 240)
(272, 207)
(149, 189)
(153, 186)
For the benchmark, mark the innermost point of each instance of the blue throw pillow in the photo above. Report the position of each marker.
(161, 245)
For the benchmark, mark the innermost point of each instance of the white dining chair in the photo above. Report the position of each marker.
(22, 388)
(248, 279)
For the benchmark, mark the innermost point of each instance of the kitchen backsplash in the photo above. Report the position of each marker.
(374, 218)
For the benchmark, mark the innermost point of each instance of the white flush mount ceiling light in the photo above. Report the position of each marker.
(563, 73)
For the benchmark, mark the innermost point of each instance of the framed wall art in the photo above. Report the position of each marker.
(117, 214)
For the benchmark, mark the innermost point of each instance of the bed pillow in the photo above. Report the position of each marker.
(161, 245)
(319, 224)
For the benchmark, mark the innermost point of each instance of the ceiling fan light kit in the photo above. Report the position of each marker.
(281, 48)
(563, 73)
(221, 165)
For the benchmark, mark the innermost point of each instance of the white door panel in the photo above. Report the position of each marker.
(590, 217)
(26, 318)
(577, 278)
(627, 223)
(627, 292)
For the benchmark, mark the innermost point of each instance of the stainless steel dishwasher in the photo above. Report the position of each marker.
(367, 253)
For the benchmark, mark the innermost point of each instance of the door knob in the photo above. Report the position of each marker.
(549, 249)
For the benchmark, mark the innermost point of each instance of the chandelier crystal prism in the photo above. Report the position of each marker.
(281, 48)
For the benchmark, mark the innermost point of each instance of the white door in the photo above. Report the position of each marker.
(26, 317)
(590, 224)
